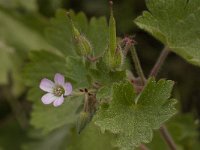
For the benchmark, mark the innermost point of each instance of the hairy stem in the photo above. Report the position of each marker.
(159, 62)
(167, 137)
(138, 65)
(127, 47)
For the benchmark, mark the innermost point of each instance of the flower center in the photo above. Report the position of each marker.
(58, 91)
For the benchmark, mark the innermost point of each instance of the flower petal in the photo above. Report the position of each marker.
(58, 101)
(68, 88)
(46, 85)
(59, 79)
(48, 98)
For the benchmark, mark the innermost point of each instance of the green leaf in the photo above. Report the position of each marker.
(31, 5)
(60, 32)
(77, 72)
(15, 32)
(91, 138)
(43, 64)
(107, 78)
(133, 117)
(104, 93)
(176, 24)
(98, 34)
(104, 76)
(49, 118)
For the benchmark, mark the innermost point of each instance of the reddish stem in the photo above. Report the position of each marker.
(163, 130)
(159, 62)
(167, 137)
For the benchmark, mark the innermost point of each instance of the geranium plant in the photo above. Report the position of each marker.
(101, 99)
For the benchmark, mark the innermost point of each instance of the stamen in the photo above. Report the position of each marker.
(58, 91)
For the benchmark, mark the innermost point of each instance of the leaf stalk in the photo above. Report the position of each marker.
(167, 137)
(163, 55)
(154, 72)
(138, 65)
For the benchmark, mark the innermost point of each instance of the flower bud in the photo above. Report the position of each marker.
(82, 121)
(118, 58)
(114, 61)
(112, 31)
(113, 57)
(84, 47)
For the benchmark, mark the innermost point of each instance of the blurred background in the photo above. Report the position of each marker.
(22, 24)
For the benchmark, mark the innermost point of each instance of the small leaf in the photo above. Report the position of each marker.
(105, 76)
(108, 78)
(104, 93)
(134, 122)
(77, 72)
(49, 118)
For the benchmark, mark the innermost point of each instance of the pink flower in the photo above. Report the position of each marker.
(56, 90)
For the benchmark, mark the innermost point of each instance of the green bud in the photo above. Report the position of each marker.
(84, 47)
(114, 61)
(113, 57)
(112, 31)
(118, 58)
(82, 121)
